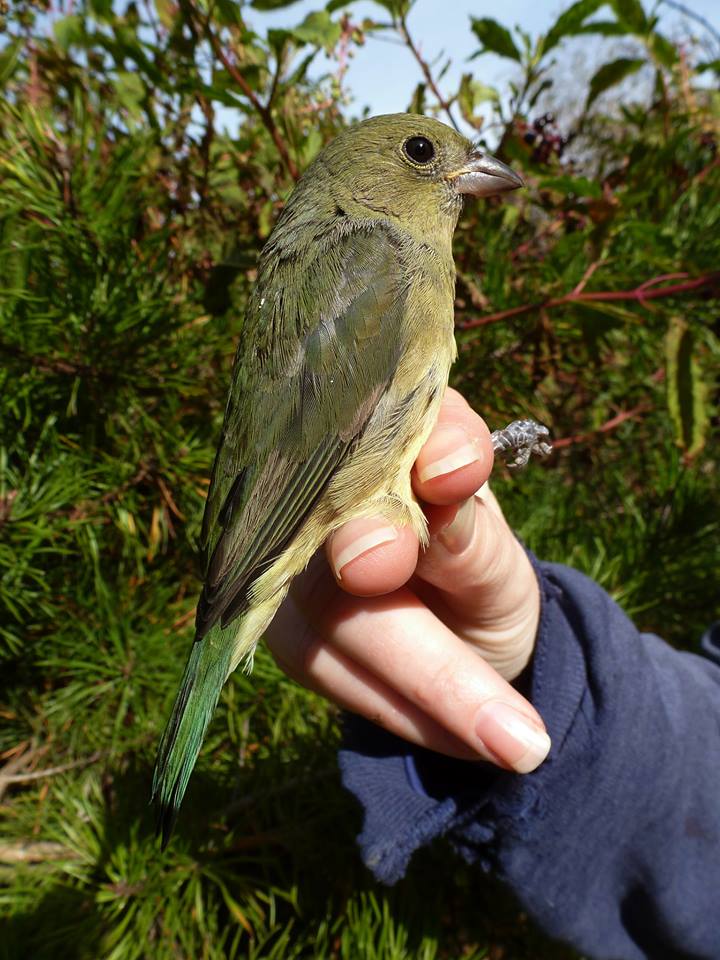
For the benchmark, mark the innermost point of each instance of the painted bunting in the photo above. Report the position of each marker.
(343, 361)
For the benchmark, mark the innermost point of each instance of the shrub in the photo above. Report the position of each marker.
(130, 222)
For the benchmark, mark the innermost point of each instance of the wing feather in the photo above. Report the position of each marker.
(328, 336)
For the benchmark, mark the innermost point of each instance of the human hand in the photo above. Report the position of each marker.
(426, 643)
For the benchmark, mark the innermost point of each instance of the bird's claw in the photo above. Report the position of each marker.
(519, 440)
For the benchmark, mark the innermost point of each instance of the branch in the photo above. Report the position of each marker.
(445, 104)
(6, 778)
(612, 424)
(261, 109)
(39, 851)
(646, 291)
(699, 177)
(20, 757)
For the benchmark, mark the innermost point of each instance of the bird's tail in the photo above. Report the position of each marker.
(212, 660)
(207, 669)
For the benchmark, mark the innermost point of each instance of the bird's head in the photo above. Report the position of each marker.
(410, 168)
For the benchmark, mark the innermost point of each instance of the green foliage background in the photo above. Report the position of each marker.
(129, 228)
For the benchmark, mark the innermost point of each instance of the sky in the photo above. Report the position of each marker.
(383, 76)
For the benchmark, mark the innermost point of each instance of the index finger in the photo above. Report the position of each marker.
(457, 458)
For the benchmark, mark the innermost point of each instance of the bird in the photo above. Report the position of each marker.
(343, 360)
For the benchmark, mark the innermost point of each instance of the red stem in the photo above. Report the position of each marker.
(605, 428)
(263, 111)
(640, 294)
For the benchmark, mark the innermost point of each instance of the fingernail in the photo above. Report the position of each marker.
(511, 736)
(456, 536)
(361, 545)
(452, 449)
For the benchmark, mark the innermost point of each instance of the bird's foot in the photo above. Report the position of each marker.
(519, 440)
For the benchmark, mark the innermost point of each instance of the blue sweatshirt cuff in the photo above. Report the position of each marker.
(412, 795)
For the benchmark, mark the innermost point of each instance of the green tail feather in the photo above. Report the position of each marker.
(205, 674)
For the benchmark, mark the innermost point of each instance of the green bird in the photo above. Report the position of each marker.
(344, 358)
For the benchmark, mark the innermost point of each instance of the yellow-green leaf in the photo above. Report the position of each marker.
(610, 74)
(495, 38)
(568, 22)
(687, 393)
(68, 30)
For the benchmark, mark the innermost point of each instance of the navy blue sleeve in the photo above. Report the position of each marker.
(613, 843)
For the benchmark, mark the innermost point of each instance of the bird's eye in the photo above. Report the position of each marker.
(419, 149)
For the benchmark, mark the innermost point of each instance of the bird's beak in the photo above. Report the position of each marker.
(484, 176)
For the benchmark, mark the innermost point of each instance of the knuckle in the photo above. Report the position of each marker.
(440, 687)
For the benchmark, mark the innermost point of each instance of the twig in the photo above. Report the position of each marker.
(640, 294)
(261, 109)
(21, 758)
(662, 279)
(167, 497)
(699, 177)
(586, 276)
(275, 81)
(427, 73)
(182, 621)
(206, 141)
(612, 424)
(40, 851)
(6, 778)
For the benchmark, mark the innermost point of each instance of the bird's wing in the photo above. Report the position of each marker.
(326, 334)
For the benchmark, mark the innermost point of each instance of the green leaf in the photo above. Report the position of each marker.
(222, 94)
(610, 74)
(266, 218)
(103, 9)
(663, 50)
(568, 22)
(272, 4)
(9, 58)
(538, 92)
(68, 30)
(396, 8)
(300, 71)
(417, 104)
(224, 83)
(227, 12)
(605, 28)
(632, 13)
(130, 90)
(470, 95)
(277, 38)
(495, 38)
(319, 29)
(579, 186)
(713, 65)
(311, 146)
(687, 394)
